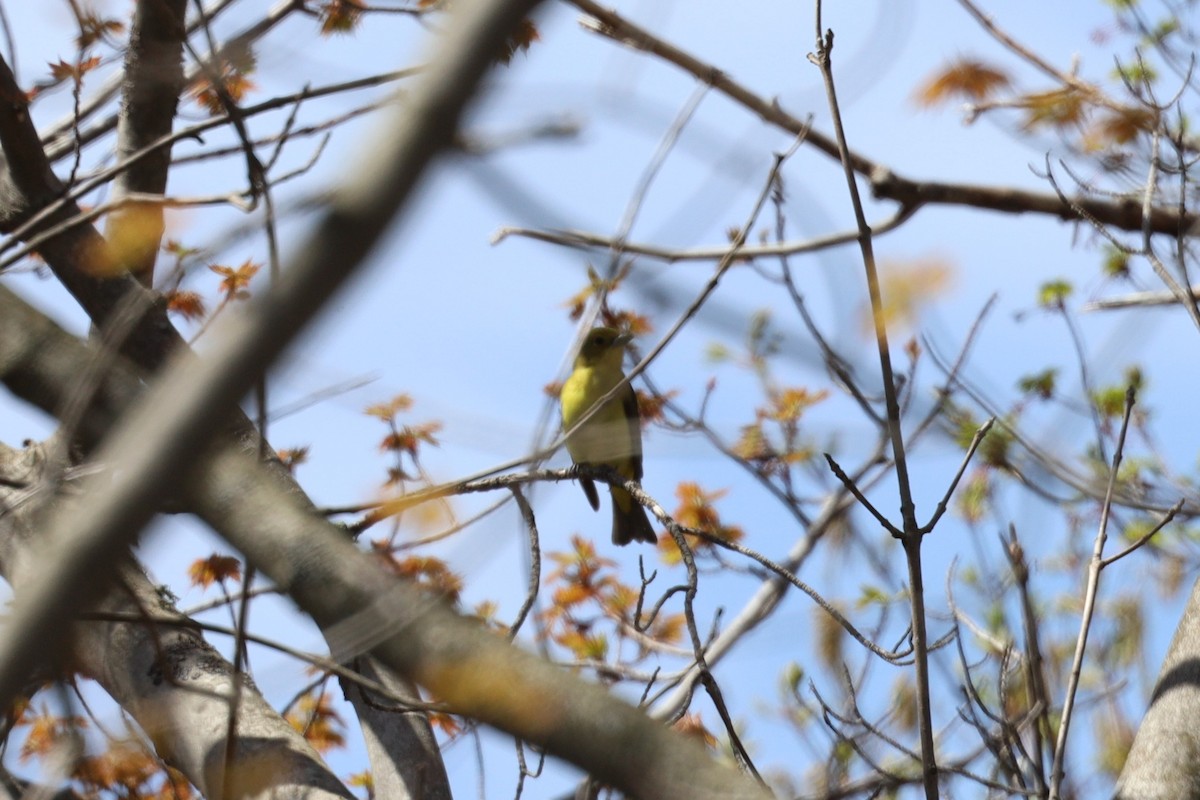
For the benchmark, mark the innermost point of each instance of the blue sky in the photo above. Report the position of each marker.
(474, 331)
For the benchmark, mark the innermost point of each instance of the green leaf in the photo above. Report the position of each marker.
(1053, 294)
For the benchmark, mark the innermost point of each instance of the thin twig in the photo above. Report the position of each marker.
(862, 498)
(1089, 605)
(585, 240)
(535, 561)
(698, 649)
(912, 535)
(1163, 521)
(944, 503)
(1035, 679)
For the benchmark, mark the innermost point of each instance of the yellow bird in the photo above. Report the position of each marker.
(613, 435)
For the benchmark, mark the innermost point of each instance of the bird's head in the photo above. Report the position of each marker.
(604, 344)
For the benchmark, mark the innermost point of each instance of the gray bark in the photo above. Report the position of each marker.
(1162, 763)
(157, 666)
(405, 760)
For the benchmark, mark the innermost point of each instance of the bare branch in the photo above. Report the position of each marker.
(153, 80)
(1089, 605)
(1126, 214)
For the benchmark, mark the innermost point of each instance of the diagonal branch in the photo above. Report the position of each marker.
(153, 661)
(58, 140)
(79, 257)
(153, 80)
(161, 441)
(476, 672)
(1123, 213)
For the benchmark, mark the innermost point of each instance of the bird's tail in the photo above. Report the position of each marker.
(630, 522)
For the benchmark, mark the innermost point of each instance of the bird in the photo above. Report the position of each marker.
(613, 435)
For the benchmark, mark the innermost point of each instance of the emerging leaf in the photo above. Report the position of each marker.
(1110, 401)
(1053, 294)
(967, 79)
(787, 405)
(650, 406)
(235, 281)
(904, 703)
(971, 498)
(1116, 263)
(830, 636)
(216, 568)
(585, 646)
(519, 41)
(1040, 384)
(62, 71)
(292, 457)
(315, 717)
(386, 411)
(692, 725)
(427, 572)
(1114, 738)
(696, 511)
(365, 780)
(446, 723)
(94, 28)
(907, 287)
(46, 732)
(340, 16)
(234, 76)
(753, 445)
(1124, 125)
(1057, 109)
(187, 304)
(408, 439)
(1136, 73)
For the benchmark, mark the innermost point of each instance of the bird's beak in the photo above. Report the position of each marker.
(622, 339)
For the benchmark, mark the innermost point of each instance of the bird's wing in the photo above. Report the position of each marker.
(633, 422)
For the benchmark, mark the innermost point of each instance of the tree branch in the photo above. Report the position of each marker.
(1125, 213)
(153, 80)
